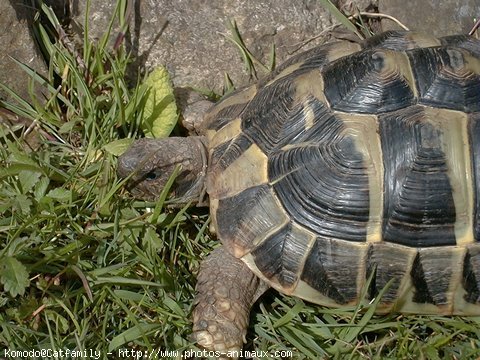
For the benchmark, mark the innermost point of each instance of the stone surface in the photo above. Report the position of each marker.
(436, 17)
(188, 36)
(16, 42)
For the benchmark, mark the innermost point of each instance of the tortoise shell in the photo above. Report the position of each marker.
(355, 168)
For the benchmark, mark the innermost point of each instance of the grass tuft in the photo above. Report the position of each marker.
(81, 267)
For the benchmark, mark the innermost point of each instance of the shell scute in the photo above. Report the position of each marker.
(380, 81)
(447, 78)
(280, 257)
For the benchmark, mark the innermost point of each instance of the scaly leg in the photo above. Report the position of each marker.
(226, 290)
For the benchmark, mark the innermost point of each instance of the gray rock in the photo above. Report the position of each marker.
(439, 18)
(187, 36)
(16, 42)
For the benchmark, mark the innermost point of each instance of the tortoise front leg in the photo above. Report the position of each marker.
(226, 290)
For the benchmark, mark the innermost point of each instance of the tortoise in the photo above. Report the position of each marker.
(352, 167)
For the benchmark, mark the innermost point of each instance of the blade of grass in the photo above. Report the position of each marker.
(328, 5)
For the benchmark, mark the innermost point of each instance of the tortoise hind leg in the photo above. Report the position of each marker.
(226, 290)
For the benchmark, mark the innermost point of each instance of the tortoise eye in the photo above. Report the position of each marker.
(152, 175)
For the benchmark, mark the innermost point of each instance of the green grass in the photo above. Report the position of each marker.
(85, 267)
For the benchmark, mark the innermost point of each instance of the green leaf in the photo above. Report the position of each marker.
(13, 275)
(15, 169)
(60, 322)
(118, 147)
(160, 114)
(28, 179)
(22, 203)
(152, 239)
(20, 158)
(130, 296)
(173, 305)
(60, 195)
(122, 280)
(41, 188)
(289, 316)
(132, 334)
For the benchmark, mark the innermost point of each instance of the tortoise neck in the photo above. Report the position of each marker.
(201, 183)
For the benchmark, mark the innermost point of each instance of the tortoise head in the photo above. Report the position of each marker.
(150, 163)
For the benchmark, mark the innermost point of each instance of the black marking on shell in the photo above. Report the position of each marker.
(474, 132)
(248, 216)
(227, 114)
(364, 83)
(422, 294)
(442, 80)
(464, 42)
(471, 275)
(225, 154)
(431, 274)
(323, 182)
(419, 210)
(332, 268)
(273, 117)
(390, 264)
(280, 256)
